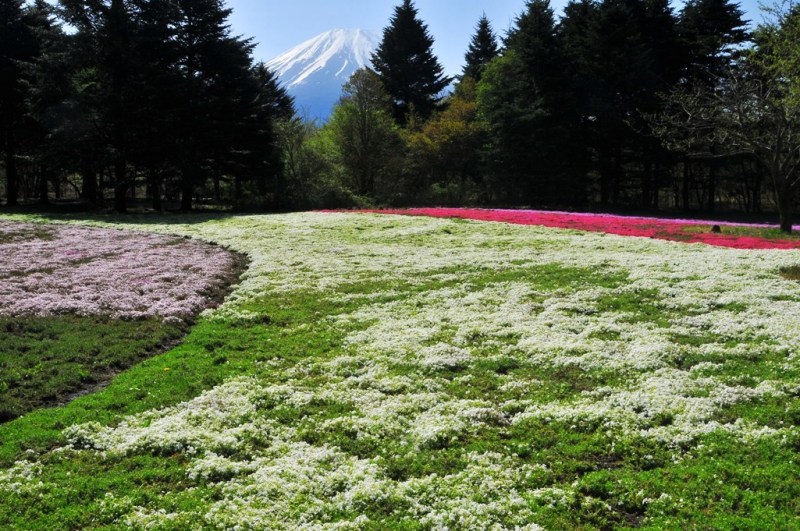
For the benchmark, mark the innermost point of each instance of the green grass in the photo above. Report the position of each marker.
(768, 233)
(46, 360)
(33, 232)
(791, 273)
(210, 353)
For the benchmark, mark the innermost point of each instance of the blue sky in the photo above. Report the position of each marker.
(278, 25)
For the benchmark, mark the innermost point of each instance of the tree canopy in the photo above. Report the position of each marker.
(406, 65)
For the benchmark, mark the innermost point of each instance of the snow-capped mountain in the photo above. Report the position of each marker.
(314, 71)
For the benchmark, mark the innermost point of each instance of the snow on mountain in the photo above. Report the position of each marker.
(314, 71)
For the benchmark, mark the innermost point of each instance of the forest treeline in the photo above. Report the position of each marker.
(617, 104)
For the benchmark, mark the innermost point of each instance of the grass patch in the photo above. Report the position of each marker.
(47, 360)
(22, 233)
(767, 233)
(791, 273)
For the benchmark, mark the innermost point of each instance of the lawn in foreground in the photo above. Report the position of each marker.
(409, 373)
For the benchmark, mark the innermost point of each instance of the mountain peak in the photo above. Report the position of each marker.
(315, 70)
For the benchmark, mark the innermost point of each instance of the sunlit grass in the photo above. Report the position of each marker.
(768, 233)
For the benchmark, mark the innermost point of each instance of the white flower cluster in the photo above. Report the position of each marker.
(22, 478)
(221, 420)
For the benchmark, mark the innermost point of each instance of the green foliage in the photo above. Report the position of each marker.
(367, 141)
(157, 92)
(312, 174)
(776, 54)
(407, 67)
(482, 49)
(18, 51)
(446, 153)
(791, 273)
(710, 32)
(515, 111)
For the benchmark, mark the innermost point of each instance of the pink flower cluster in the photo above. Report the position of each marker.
(665, 229)
(124, 274)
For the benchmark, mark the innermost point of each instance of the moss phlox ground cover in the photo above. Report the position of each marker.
(123, 274)
(487, 376)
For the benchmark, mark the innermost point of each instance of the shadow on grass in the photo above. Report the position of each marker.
(138, 213)
(791, 273)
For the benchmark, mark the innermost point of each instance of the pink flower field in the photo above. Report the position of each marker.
(683, 230)
(58, 269)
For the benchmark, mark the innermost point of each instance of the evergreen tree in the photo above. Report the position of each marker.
(117, 67)
(659, 29)
(107, 75)
(260, 135)
(710, 32)
(579, 108)
(50, 89)
(519, 96)
(157, 95)
(533, 38)
(272, 94)
(176, 96)
(482, 49)
(82, 128)
(407, 66)
(621, 60)
(17, 49)
(215, 73)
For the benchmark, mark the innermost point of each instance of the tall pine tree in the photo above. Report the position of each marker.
(710, 32)
(17, 48)
(214, 77)
(50, 89)
(407, 66)
(519, 96)
(482, 49)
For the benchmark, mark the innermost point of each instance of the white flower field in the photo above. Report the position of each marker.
(387, 372)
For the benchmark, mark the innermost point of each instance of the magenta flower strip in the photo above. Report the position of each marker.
(662, 229)
(122, 274)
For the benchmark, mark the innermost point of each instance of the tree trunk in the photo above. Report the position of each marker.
(237, 189)
(155, 190)
(44, 192)
(687, 175)
(712, 186)
(187, 191)
(656, 199)
(89, 184)
(605, 178)
(618, 175)
(647, 182)
(120, 187)
(12, 177)
(757, 193)
(785, 208)
(101, 184)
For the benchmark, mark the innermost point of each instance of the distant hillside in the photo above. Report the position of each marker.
(314, 71)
